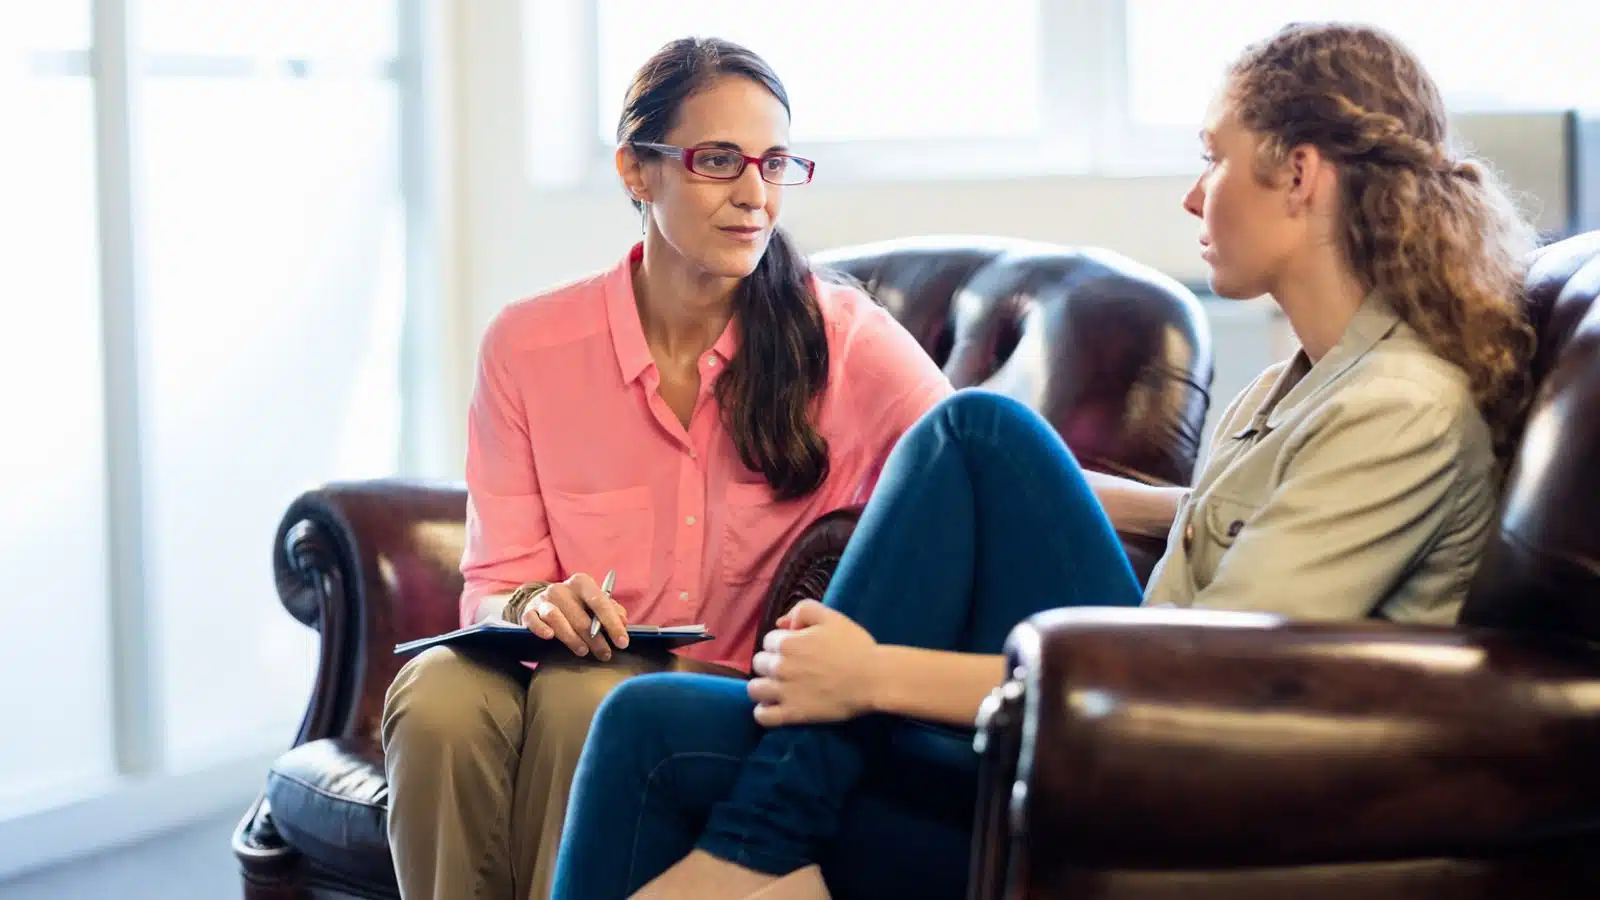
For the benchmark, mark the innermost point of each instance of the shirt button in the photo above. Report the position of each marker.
(693, 454)
(689, 520)
(683, 595)
(711, 361)
(1188, 535)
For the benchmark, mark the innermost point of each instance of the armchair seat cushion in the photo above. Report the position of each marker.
(330, 801)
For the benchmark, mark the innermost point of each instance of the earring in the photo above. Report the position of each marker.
(644, 216)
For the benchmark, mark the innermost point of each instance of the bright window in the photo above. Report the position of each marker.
(884, 70)
(49, 26)
(276, 291)
(933, 89)
(206, 277)
(1485, 54)
(55, 697)
(293, 28)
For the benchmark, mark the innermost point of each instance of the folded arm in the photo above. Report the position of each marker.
(1136, 508)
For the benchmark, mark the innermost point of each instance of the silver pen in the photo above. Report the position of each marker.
(605, 588)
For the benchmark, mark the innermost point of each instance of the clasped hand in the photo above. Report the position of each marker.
(817, 666)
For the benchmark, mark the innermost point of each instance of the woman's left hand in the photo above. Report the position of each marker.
(816, 666)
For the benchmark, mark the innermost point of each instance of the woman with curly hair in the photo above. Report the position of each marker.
(1356, 479)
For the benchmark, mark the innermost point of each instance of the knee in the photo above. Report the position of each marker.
(972, 406)
(437, 698)
(974, 414)
(639, 705)
(646, 709)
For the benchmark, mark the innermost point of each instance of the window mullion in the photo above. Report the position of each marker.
(428, 371)
(1078, 77)
(135, 673)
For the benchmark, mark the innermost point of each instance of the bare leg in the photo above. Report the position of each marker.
(701, 876)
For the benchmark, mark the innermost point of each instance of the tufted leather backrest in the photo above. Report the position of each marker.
(1116, 355)
(1542, 568)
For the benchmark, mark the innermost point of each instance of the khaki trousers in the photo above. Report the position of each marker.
(480, 755)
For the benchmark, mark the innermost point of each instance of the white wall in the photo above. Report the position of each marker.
(519, 241)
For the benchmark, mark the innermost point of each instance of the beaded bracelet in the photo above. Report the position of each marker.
(519, 599)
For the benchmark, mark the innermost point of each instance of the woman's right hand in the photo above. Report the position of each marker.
(564, 611)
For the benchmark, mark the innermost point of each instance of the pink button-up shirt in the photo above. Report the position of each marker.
(576, 464)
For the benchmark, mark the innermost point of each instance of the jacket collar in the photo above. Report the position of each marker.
(1301, 380)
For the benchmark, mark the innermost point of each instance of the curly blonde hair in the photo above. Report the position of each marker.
(1432, 231)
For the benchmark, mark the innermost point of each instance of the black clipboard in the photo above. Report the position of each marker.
(516, 640)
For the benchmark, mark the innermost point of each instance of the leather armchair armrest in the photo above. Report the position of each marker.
(1147, 738)
(367, 564)
(807, 566)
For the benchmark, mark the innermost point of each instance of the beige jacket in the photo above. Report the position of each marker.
(1359, 486)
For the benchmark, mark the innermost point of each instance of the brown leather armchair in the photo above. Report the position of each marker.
(1116, 355)
(1142, 754)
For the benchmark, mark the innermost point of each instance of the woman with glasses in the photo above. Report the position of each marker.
(1355, 480)
(676, 421)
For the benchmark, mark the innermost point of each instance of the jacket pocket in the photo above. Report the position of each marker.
(1217, 523)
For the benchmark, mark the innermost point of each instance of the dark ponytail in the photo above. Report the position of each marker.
(767, 391)
(782, 364)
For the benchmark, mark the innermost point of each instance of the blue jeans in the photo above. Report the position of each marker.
(981, 519)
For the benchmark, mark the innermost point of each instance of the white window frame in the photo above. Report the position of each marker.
(1125, 147)
(1128, 148)
(144, 795)
(1081, 52)
(119, 71)
(1086, 130)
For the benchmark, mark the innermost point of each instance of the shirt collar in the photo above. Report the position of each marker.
(622, 316)
(627, 333)
(1301, 380)
(728, 341)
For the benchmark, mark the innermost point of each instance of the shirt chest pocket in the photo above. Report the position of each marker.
(598, 531)
(1215, 525)
(756, 525)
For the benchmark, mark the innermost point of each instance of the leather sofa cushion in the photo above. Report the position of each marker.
(330, 801)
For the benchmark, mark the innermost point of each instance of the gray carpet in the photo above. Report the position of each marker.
(191, 864)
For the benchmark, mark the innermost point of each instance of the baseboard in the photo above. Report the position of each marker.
(128, 811)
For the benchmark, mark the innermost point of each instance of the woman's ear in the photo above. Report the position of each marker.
(1304, 170)
(631, 170)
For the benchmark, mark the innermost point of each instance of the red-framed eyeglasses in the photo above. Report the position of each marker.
(723, 164)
